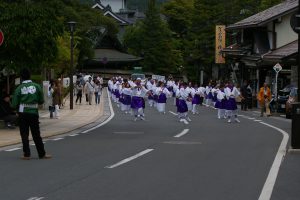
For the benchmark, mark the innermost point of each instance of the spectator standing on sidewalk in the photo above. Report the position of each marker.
(7, 113)
(50, 98)
(85, 91)
(249, 98)
(264, 97)
(56, 99)
(79, 89)
(90, 90)
(26, 99)
(97, 92)
(244, 103)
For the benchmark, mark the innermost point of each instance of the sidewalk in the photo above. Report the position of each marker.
(81, 115)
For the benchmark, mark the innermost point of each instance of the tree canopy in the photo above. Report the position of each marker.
(37, 34)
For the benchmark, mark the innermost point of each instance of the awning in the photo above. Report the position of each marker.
(112, 55)
(282, 53)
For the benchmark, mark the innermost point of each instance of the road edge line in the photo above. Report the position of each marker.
(267, 190)
(112, 114)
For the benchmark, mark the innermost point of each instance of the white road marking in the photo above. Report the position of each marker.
(129, 133)
(271, 179)
(257, 120)
(185, 131)
(56, 139)
(122, 162)
(173, 113)
(73, 135)
(251, 118)
(36, 198)
(107, 120)
(14, 149)
(182, 142)
(185, 121)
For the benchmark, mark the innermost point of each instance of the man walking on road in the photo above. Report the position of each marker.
(26, 99)
(264, 97)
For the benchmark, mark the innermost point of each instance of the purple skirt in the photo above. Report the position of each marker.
(181, 106)
(196, 99)
(220, 104)
(162, 98)
(214, 98)
(137, 102)
(209, 96)
(121, 99)
(155, 97)
(151, 97)
(177, 101)
(230, 104)
(117, 93)
(126, 99)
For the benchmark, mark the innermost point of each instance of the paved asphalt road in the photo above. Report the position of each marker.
(208, 159)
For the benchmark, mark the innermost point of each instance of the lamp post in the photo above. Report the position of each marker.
(72, 29)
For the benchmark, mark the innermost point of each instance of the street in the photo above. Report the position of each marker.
(157, 159)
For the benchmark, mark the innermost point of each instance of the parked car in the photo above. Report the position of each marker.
(293, 97)
(282, 98)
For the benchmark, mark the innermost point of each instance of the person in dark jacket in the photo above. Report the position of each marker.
(244, 103)
(7, 113)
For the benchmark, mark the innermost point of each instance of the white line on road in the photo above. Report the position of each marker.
(173, 113)
(73, 135)
(251, 118)
(36, 198)
(271, 179)
(14, 149)
(129, 159)
(107, 120)
(56, 139)
(129, 132)
(185, 121)
(185, 131)
(257, 120)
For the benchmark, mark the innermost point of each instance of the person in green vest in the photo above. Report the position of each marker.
(26, 99)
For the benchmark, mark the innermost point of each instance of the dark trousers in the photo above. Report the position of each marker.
(244, 104)
(10, 119)
(79, 96)
(31, 121)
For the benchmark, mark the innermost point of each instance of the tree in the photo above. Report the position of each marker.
(265, 4)
(37, 34)
(30, 32)
(152, 39)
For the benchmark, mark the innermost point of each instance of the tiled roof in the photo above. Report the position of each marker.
(266, 16)
(114, 56)
(282, 52)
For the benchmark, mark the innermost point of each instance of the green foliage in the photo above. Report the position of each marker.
(268, 3)
(153, 39)
(30, 32)
(37, 34)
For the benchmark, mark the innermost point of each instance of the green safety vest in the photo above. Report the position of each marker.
(27, 97)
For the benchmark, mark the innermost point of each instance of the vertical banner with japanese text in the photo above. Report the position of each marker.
(220, 44)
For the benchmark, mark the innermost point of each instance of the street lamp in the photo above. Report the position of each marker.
(72, 29)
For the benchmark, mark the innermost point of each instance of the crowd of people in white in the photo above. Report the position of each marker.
(130, 96)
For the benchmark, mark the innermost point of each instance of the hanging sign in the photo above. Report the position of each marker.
(220, 44)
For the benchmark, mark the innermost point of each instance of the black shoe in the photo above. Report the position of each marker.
(46, 156)
(10, 126)
(25, 157)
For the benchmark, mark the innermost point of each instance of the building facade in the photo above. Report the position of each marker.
(263, 40)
